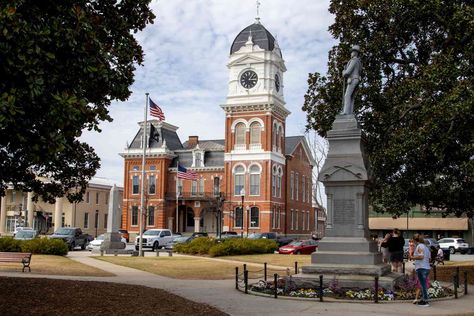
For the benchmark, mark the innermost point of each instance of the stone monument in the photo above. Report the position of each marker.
(113, 238)
(346, 252)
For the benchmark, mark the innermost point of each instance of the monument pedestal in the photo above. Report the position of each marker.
(112, 241)
(346, 252)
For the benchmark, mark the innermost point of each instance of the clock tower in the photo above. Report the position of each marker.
(254, 157)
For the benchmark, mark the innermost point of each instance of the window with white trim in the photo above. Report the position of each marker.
(134, 215)
(86, 220)
(255, 133)
(296, 220)
(152, 184)
(198, 159)
(193, 187)
(151, 216)
(307, 220)
(254, 180)
(135, 185)
(254, 217)
(201, 186)
(239, 179)
(292, 185)
(279, 217)
(239, 217)
(296, 185)
(240, 134)
(303, 187)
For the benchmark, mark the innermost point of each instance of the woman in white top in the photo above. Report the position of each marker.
(422, 257)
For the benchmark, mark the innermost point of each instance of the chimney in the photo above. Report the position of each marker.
(193, 141)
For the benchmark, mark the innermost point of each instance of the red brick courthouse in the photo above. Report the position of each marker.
(255, 163)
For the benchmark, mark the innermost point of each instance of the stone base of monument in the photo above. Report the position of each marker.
(311, 279)
(352, 261)
(112, 241)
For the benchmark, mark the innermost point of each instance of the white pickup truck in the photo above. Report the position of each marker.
(154, 239)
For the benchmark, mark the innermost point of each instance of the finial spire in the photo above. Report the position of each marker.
(257, 19)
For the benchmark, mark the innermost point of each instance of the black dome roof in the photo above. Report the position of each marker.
(260, 37)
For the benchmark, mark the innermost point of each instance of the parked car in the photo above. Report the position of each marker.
(154, 239)
(225, 235)
(73, 237)
(26, 234)
(454, 245)
(20, 228)
(125, 234)
(299, 247)
(99, 240)
(199, 234)
(281, 240)
(429, 242)
(178, 240)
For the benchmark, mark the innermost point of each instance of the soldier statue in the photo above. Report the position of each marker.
(352, 72)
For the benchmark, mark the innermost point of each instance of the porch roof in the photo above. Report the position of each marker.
(418, 223)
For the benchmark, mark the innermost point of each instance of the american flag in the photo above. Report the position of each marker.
(156, 111)
(184, 173)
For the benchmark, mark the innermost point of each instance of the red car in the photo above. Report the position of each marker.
(299, 247)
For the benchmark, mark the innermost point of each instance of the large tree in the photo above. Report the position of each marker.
(61, 64)
(415, 103)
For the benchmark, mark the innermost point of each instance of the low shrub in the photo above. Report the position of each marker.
(237, 246)
(8, 244)
(199, 246)
(43, 246)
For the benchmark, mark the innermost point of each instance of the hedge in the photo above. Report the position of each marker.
(43, 246)
(227, 247)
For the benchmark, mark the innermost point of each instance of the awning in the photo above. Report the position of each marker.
(418, 223)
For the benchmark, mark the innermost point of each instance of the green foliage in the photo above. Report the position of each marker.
(61, 65)
(8, 244)
(228, 247)
(44, 246)
(239, 246)
(415, 103)
(199, 246)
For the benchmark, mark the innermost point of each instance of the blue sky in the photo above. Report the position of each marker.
(185, 69)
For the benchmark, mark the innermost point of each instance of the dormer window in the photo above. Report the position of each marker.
(198, 159)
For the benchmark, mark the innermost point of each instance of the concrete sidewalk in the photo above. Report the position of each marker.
(223, 296)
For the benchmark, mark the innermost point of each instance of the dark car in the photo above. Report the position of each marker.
(73, 237)
(225, 235)
(281, 241)
(124, 234)
(298, 247)
(199, 234)
(178, 240)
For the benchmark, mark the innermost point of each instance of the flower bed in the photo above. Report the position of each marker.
(404, 291)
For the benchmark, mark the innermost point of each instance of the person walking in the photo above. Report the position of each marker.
(384, 248)
(395, 246)
(411, 248)
(422, 267)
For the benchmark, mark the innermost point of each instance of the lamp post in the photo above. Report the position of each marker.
(242, 195)
(96, 220)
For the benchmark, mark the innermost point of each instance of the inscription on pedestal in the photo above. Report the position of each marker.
(344, 211)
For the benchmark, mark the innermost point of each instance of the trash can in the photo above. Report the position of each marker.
(447, 254)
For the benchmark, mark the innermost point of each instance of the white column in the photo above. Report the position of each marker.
(197, 224)
(3, 214)
(58, 213)
(30, 208)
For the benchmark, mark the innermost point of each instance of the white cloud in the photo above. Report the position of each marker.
(186, 53)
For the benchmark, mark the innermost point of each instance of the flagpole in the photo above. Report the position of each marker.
(177, 197)
(142, 191)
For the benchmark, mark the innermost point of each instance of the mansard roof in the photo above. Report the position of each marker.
(157, 132)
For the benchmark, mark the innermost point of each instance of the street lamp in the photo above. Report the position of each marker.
(242, 195)
(96, 220)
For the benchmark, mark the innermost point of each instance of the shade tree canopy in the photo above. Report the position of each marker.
(415, 101)
(61, 65)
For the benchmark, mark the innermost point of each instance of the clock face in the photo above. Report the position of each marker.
(277, 82)
(248, 79)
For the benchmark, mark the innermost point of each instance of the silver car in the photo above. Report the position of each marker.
(26, 234)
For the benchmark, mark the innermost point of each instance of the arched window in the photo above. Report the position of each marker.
(239, 179)
(240, 134)
(255, 133)
(274, 136)
(274, 181)
(254, 180)
(239, 217)
(254, 217)
(280, 138)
